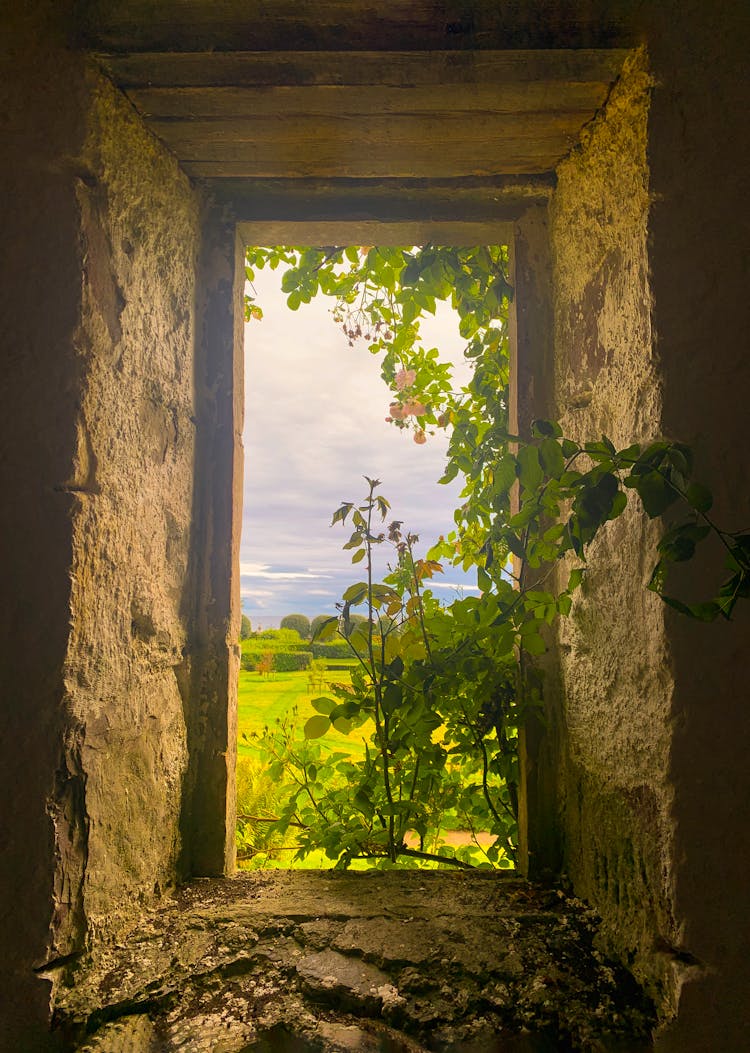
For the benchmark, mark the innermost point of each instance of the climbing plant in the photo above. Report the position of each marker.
(437, 694)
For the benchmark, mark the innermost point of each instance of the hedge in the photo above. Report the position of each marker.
(332, 650)
(283, 661)
(259, 646)
(291, 661)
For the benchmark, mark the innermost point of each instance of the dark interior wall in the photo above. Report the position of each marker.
(44, 127)
(699, 232)
(102, 234)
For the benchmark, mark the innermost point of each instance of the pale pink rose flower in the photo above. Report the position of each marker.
(413, 408)
(405, 378)
(397, 411)
(419, 437)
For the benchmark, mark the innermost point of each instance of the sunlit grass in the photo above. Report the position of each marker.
(262, 700)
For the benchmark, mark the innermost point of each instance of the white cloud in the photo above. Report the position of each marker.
(263, 570)
(457, 586)
(315, 424)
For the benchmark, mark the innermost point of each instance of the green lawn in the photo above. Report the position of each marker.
(262, 699)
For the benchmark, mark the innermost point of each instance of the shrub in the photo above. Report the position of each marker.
(300, 622)
(291, 661)
(331, 650)
(245, 627)
(274, 640)
(258, 839)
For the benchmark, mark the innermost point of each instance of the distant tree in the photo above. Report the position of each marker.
(300, 622)
(317, 622)
(245, 628)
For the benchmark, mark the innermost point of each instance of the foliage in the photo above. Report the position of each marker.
(265, 664)
(274, 640)
(438, 692)
(316, 622)
(299, 623)
(266, 661)
(332, 649)
(291, 661)
(280, 638)
(245, 627)
(258, 836)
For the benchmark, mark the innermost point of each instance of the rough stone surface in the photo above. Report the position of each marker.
(117, 803)
(614, 679)
(369, 961)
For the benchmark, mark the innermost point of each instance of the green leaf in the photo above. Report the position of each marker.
(699, 497)
(316, 726)
(655, 493)
(530, 470)
(355, 593)
(678, 544)
(323, 705)
(619, 504)
(359, 556)
(342, 512)
(543, 428)
(326, 630)
(575, 579)
(533, 644)
(551, 458)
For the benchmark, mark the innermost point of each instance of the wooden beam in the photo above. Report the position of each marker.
(397, 69)
(384, 201)
(259, 25)
(362, 101)
(264, 164)
(370, 232)
(486, 131)
(417, 146)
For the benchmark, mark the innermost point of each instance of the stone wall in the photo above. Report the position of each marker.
(98, 460)
(648, 725)
(132, 486)
(613, 655)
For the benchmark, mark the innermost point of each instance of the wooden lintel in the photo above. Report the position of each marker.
(276, 164)
(397, 69)
(361, 101)
(373, 232)
(375, 146)
(389, 201)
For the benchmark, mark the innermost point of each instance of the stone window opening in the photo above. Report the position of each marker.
(300, 335)
(120, 451)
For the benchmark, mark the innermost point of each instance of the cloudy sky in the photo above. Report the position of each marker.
(314, 425)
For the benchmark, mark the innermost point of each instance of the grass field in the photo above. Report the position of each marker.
(262, 700)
